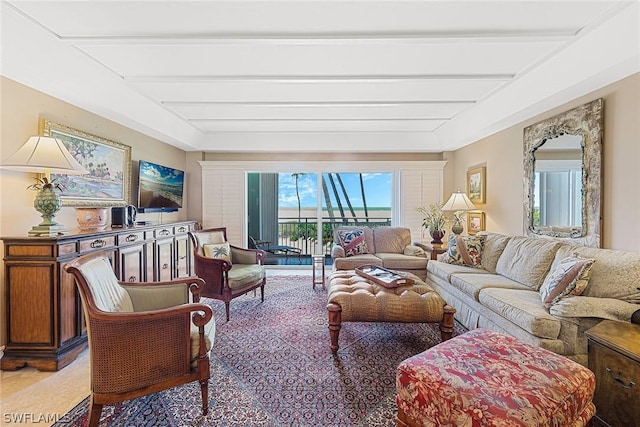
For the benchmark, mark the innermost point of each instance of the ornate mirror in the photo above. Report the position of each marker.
(562, 174)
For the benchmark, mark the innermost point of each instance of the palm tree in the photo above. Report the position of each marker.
(346, 196)
(296, 176)
(364, 198)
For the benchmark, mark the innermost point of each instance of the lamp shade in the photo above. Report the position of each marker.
(44, 154)
(458, 202)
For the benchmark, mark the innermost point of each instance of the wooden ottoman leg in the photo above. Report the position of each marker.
(335, 319)
(446, 326)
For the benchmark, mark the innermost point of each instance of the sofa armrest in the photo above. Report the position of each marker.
(413, 250)
(337, 251)
(603, 308)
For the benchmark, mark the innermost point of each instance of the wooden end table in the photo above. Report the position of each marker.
(432, 248)
(614, 357)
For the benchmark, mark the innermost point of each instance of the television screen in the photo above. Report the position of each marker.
(159, 188)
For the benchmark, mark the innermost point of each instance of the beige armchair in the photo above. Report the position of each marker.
(228, 271)
(143, 337)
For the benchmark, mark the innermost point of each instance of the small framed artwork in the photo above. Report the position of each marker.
(476, 185)
(108, 162)
(475, 222)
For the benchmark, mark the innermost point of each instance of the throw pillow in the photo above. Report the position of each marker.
(353, 242)
(218, 251)
(569, 278)
(465, 250)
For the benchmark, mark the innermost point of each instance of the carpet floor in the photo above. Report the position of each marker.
(271, 365)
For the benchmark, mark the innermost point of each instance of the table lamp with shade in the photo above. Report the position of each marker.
(45, 155)
(458, 203)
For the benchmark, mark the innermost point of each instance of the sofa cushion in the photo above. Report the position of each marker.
(494, 245)
(471, 283)
(352, 262)
(353, 241)
(523, 308)
(615, 274)
(368, 236)
(391, 239)
(569, 277)
(465, 250)
(444, 270)
(527, 260)
(405, 262)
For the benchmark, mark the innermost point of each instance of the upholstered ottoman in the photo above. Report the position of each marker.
(352, 298)
(483, 378)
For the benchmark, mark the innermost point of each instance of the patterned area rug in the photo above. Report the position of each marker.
(272, 366)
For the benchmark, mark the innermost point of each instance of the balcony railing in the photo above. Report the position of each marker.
(303, 233)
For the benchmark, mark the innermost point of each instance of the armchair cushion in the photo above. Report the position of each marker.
(107, 293)
(209, 336)
(218, 251)
(157, 297)
(242, 276)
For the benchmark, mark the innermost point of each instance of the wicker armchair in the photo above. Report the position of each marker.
(228, 271)
(143, 337)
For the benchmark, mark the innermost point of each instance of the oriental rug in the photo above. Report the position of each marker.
(271, 365)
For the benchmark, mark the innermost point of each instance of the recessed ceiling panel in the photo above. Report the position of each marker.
(316, 90)
(317, 125)
(294, 111)
(313, 59)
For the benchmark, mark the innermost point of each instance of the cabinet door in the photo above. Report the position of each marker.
(183, 256)
(164, 257)
(131, 263)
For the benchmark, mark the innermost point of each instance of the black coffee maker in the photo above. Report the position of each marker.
(123, 216)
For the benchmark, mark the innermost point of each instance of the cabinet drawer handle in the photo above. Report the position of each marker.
(182, 257)
(165, 266)
(164, 233)
(132, 278)
(182, 229)
(98, 243)
(619, 380)
(131, 238)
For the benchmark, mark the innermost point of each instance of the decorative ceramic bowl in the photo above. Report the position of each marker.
(91, 218)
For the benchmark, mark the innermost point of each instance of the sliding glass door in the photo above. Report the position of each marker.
(299, 210)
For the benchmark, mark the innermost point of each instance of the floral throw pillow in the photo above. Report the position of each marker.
(353, 242)
(465, 250)
(569, 278)
(218, 251)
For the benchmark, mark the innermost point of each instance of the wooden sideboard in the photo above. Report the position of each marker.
(43, 317)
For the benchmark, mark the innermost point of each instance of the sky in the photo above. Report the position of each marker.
(377, 189)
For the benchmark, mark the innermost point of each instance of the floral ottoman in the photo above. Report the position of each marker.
(483, 378)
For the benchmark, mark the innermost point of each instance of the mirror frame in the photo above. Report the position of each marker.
(586, 120)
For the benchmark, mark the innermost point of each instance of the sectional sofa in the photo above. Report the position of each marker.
(502, 293)
(384, 246)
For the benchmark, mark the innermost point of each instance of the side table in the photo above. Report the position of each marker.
(318, 270)
(432, 248)
(614, 357)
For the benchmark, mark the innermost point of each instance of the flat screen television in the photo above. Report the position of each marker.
(160, 188)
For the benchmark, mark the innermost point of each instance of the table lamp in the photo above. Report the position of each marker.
(458, 203)
(45, 155)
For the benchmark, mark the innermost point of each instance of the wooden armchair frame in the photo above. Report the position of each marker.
(215, 272)
(133, 354)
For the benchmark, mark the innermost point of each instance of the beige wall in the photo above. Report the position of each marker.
(21, 108)
(502, 153)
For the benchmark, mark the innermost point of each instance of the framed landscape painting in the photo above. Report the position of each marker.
(476, 185)
(108, 182)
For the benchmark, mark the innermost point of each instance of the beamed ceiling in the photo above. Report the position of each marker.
(318, 76)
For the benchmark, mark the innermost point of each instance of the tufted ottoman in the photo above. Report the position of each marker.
(353, 298)
(483, 378)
